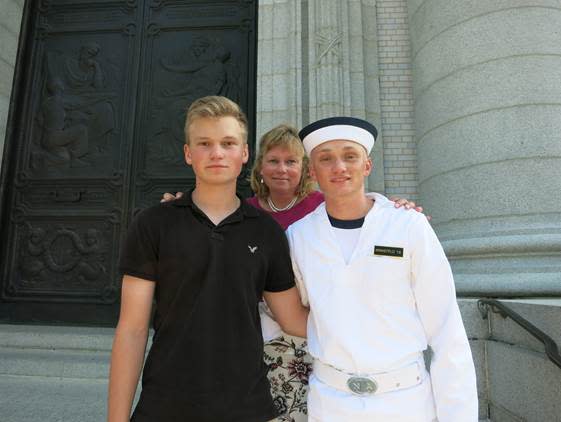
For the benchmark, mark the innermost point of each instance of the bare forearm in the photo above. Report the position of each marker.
(288, 311)
(126, 364)
(297, 325)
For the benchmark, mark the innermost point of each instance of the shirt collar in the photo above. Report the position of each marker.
(187, 201)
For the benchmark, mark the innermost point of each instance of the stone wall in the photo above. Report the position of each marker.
(396, 99)
(318, 59)
(10, 21)
(279, 64)
(383, 94)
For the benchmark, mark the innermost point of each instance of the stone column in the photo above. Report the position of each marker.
(10, 21)
(279, 64)
(487, 88)
(318, 58)
(342, 63)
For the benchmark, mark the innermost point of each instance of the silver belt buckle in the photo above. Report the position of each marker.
(362, 386)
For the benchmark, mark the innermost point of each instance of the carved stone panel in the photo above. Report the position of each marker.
(66, 258)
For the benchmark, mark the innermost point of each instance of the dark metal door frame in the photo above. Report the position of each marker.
(99, 93)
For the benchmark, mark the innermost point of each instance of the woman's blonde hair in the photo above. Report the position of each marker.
(284, 136)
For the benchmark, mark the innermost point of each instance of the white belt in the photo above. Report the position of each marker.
(367, 384)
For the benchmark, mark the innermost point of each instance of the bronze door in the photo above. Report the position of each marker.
(96, 132)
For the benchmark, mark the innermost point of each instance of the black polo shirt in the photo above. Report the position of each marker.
(206, 361)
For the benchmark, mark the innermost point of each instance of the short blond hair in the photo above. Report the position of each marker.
(215, 106)
(284, 136)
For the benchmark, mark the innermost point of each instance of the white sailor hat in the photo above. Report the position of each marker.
(348, 128)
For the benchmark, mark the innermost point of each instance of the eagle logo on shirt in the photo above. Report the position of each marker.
(252, 249)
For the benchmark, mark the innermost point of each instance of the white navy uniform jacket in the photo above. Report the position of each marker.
(378, 312)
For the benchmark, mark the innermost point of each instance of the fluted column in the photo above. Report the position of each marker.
(10, 22)
(329, 82)
(342, 66)
(487, 87)
(279, 64)
(318, 59)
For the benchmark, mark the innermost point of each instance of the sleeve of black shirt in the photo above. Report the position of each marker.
(139, 255)
(279, 276)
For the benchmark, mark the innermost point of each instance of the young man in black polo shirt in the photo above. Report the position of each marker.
(206, 259)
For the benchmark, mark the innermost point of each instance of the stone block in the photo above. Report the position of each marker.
(503, 83)
(479, 359)
(476, 327)
(2, 137)
(11, 15)
(489, 190)
(429, 19)
(8, 45)
(524, 131)
(56, 337)
(265, 122)
(265, 28)
(279, 93)
(501, 414)
(524, 383)
(4, 108)
(54, 363)
(265, 100)
(6, 77)
(507, 282)
(281, 56)
(545, 314)
(478, 37)
(265, 61)
(48, 399)
(281, 18)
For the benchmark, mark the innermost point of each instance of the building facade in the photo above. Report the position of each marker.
(467, 97)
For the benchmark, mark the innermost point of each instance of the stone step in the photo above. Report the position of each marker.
(54, 374)
(52, 399)
(47, 399)
(524, 385)
(58, 363)
(543, 313)
(62, 352)
(56, 337)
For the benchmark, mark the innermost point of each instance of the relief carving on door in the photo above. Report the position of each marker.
(65, 260)
(205, 67)
(63, 255)
(76, 121)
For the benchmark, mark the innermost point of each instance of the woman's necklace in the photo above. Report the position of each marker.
(276, 209)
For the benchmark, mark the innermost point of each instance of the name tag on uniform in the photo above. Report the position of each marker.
(388, 251)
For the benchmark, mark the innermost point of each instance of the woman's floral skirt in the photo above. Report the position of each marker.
(289, 368)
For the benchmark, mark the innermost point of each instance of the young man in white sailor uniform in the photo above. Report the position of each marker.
(380, 290)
